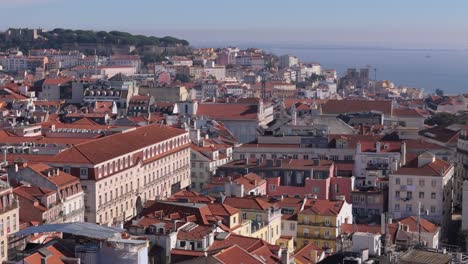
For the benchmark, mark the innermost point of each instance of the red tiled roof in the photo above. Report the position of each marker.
(196, 233)
(322, 207)
(247, 203)
(61, 179)
(412, 223)
(436, 168)
(222, 209)
(56, 256)
(235, 254)
(406, 112)
(412, 144)
(56, 81)
(351, 228)
(304, 254)
(116, 145)
(228, 111)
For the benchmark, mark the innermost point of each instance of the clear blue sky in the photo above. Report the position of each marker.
(400, 23)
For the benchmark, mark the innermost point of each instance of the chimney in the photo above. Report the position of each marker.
(44, 259)
(284, 256)
(313, 256)
(403, 153)
(378, 145)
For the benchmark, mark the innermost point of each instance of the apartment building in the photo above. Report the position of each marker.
(9, 218)
(265, 217)
(375, 160)
(320, 222)
(120, 172)
(206, 157)
(66, 187)
(425, 183)
(294, 177)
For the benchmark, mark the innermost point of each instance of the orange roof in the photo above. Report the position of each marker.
(228, 111)
(304, 254)
(116, 145)
(412, 223)
(406, 112)
(57, 81)
(234, 254)
(322, 207)
(351, 228)
(436, 168)
(55, 256)
(247, 203)
(60, 179)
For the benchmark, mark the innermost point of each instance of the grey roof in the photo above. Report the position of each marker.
(415, 256)
(76, 228)
(191, 205)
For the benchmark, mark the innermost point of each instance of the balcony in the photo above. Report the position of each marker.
(74, 213)
(14, 205)
(377, 166)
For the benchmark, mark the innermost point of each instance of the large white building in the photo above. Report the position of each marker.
(218, 72)
(287, 61)
(425, 183)
(120, 172)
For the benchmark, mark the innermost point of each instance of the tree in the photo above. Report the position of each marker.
(439, 92)
(182, 77)
(444, 119)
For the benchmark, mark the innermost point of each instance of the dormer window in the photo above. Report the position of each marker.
(83, 173)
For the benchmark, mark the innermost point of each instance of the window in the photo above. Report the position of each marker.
(336, 187)
(397, 181)
(292, 226)
(397, 207)
(433, 209)
(409, 208)
(421, 183)
(182, 243)
(327, 221)
(272, 187)
(433, 196)
(83, 172)
(348, 157)
(234, 219)
(434, 183)
(315, 189)
(2, 249)
(244, 215)
(66, 169)
(397, 194)
(409, 181)
(421, 195)
(1, 227)
(326, 234)
(409, 195)
(306, 157)
(100, 200)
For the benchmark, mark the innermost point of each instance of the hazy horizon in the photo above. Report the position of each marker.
(396, 24)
